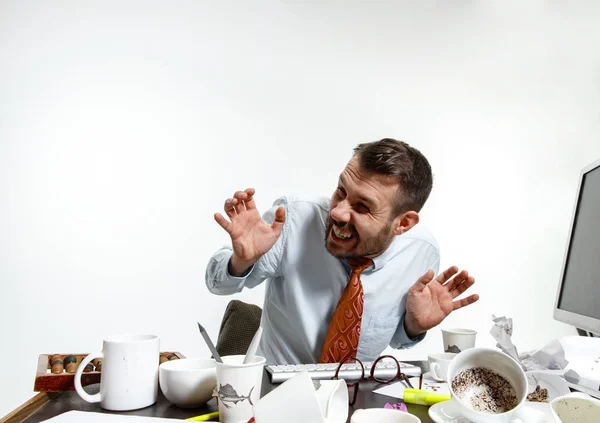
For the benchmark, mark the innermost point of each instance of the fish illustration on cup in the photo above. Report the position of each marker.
(227, 395)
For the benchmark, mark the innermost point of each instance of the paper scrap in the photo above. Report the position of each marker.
(396, 390)
(399, 406)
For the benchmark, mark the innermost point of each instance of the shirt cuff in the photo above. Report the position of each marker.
(242, 276)
(402, 341)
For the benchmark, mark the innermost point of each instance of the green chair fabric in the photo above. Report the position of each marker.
(240, 322)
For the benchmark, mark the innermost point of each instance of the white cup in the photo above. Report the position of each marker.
(238, 387)
(497, 362)
(458, 340)
(129, 377)
(438, 365)
(381, 415)
(575, 407)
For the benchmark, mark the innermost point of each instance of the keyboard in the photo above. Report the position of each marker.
(350, 371)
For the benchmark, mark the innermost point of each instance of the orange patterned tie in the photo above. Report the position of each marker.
(342, 338)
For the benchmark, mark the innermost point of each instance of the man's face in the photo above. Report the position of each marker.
(361, 221)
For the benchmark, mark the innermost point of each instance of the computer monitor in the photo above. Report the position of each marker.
(578, 297)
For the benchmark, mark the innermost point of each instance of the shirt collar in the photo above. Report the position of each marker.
(379, 261)
(383, 258)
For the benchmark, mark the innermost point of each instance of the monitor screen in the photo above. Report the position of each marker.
(578, 299)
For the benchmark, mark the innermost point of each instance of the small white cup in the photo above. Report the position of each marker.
(188, 382)
(497, 362)
(458, 340)
(238, 387)
(382, 415)
(575, 407)
(438, 365)
(129, 372)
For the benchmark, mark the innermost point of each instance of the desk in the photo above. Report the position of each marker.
(44, 406)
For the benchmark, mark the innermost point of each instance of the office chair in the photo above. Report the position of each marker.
(240, 323)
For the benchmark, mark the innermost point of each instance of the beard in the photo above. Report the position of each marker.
(368, 247)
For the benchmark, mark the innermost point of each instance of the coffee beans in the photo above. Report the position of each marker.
(485, 390)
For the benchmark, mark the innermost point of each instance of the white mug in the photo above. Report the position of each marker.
(498, 362)
(129, 373)
(438, 365)
(458, 340)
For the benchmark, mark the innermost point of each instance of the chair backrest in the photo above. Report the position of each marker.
(240, 322)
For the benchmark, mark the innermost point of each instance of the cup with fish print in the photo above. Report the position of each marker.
(238, 387)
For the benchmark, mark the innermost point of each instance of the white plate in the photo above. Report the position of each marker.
(447, 412)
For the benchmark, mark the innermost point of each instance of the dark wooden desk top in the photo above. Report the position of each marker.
(45, 406)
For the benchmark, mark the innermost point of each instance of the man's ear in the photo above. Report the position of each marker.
(406, 221)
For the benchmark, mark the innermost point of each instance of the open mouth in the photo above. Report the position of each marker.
(341, 235)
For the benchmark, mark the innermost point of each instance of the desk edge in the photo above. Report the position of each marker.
(28, 408)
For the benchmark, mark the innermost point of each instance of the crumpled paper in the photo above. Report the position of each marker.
(545, 366)
(502, 331)
(572, 359)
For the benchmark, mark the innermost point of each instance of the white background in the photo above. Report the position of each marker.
(125, 125)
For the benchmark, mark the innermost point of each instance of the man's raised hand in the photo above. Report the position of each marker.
(250, 236)
(431, 300)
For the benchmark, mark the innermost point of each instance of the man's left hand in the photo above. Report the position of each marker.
(431, 300)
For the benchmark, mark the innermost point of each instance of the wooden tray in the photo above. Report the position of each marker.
(50, 382)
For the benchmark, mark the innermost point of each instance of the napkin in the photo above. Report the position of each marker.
(298, 400)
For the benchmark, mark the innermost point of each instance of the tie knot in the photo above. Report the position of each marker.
(358, 264)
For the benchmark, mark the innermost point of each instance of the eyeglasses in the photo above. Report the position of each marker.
(390, 362)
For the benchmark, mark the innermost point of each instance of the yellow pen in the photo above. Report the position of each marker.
(204, 417)
(422, 397)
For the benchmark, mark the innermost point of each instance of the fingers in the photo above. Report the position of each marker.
(230, 207)
(224, 223)
(250, 198)
(465, 301)
(241, 201)
(279, 218)
(239, 198)
(456, 280)
(462, 286)
(422, 282)
(446, 274)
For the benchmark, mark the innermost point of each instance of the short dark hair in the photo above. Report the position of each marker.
(395, 158)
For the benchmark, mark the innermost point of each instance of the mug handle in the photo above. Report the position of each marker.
(84, 395)
(432, 370)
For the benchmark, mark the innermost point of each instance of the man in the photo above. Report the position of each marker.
(307, 249)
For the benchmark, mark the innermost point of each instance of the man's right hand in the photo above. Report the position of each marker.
(250, 236)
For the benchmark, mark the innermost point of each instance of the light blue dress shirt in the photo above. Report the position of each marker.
(305, 282)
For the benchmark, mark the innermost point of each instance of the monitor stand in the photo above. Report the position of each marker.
(582, 332)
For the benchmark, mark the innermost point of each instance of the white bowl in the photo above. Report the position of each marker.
(188, 382)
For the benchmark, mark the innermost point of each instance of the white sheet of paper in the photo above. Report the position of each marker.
(89, 417)
(396, 390)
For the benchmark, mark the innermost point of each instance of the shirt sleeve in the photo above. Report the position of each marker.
(401, 340)
(218, 279)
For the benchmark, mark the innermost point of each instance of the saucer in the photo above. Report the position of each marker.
(448, 412)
